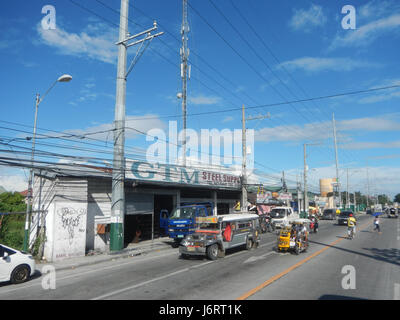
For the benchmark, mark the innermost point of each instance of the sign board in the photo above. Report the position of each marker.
(206, 219)
(266, 196)
(157, 172)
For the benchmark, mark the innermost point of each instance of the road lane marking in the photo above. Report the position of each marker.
(113, 293)
(256, 258)
(38, 282)
(296, 265)
(168, 275)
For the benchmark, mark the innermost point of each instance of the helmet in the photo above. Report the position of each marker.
(350, 215)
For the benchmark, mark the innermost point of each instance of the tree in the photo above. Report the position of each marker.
(397, 198)
(12, 226)
(383, 199)
(12, 202)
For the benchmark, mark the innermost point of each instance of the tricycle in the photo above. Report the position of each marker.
(294, 237)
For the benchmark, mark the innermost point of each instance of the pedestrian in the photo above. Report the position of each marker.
(376, 224)
(237, 206)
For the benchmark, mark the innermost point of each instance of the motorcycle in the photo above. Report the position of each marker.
(269, 224)
(314, 225)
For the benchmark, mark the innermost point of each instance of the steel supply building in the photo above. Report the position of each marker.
(74, 202)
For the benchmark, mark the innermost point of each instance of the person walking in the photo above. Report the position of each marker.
(377, 224)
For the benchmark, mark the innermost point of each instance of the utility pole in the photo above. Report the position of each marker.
(336, 157)
(244, 154)
(347, 191)
(298, 194)
(118, 172)
(185, 72)
(367, 186)
(305, 181)
(355, 202)
(284, 187)
(244, 175)
(305, 175)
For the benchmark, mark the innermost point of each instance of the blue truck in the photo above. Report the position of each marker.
(181, 221)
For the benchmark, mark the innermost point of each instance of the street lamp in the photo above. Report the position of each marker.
(63, 78)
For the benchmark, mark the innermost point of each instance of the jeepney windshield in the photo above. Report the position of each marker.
(183, 213)
(209, 226)
(278, 213)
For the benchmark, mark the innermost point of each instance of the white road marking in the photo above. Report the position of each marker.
(38, 281)
(256, 258)
(168, 275)
(113, 293)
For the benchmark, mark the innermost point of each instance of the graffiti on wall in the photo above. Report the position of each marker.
(71, 220)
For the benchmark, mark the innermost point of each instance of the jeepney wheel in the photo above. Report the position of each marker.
(212, 252)
(249, 244)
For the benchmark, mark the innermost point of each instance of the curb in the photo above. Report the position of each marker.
(103, 258)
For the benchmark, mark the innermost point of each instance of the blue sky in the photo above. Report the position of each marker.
(298, 50)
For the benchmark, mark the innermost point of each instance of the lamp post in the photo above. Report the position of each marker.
(63, 78)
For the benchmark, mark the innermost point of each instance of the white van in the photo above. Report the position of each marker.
(282, 216)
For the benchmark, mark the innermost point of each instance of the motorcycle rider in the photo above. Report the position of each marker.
(351, 224)
(314, 219)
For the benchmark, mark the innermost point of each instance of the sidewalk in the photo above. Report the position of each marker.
(133, 249)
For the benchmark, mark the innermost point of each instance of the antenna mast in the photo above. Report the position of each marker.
(185, 71)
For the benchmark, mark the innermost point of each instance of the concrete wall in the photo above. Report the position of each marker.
(65, 203)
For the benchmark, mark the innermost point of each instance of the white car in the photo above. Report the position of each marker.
(15, 266)
(283, 216)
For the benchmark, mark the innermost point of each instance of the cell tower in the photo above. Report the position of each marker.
(185, 73)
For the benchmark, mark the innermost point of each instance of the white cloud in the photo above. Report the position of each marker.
(95, 42)
(316, 64)
(14, 182)
(135, 126)
(376, 9)
(371, 145)
(383, 179)
(308, 19)
(227, 119)
(324, 130)
(388, 95)
(368, 33)
(204, 100)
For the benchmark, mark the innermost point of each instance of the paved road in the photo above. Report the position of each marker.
(324, 271)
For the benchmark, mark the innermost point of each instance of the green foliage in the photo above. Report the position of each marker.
(12, 226)
(397, 198)
(12, 202)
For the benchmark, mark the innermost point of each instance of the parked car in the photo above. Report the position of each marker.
(15, 266)
(343, 217)
(329, 214)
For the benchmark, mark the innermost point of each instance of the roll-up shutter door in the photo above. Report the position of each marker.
(139, 203)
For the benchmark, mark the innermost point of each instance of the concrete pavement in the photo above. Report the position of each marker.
(132, 250)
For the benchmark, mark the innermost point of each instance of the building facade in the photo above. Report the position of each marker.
(73, 203)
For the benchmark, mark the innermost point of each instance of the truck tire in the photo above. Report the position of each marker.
(212, 252)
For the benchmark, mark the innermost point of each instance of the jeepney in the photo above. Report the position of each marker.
(214, 235)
